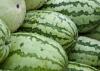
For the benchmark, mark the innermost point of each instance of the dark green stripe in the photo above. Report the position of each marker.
(66, 3)
(96, 46)
(86, 52)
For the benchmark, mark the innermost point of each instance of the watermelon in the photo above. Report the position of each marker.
(34, 4)
(4, 41)
(86, 51)
(34, 52)
(85, 13)
(74, 66)
(51, 24)
(95, 33)
(13, 13)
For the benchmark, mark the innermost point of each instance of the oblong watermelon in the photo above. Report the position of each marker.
(85, 13)
(33, 52)
(51, 24)
(86, 51)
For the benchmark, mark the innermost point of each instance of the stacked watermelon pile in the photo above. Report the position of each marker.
(50, 35)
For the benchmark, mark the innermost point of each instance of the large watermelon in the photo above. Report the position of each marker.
(4, 41)
(33, 52)
(85, 13)
(51, 24)
(12, 12)
(86, 51)
(34, 4)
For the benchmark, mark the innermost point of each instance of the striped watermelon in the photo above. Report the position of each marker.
(74, 66)
(33, 52)
(94, 33)
(51, 24)
(4, 41)
(86, 51)
(34, 4)
(85, 13)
